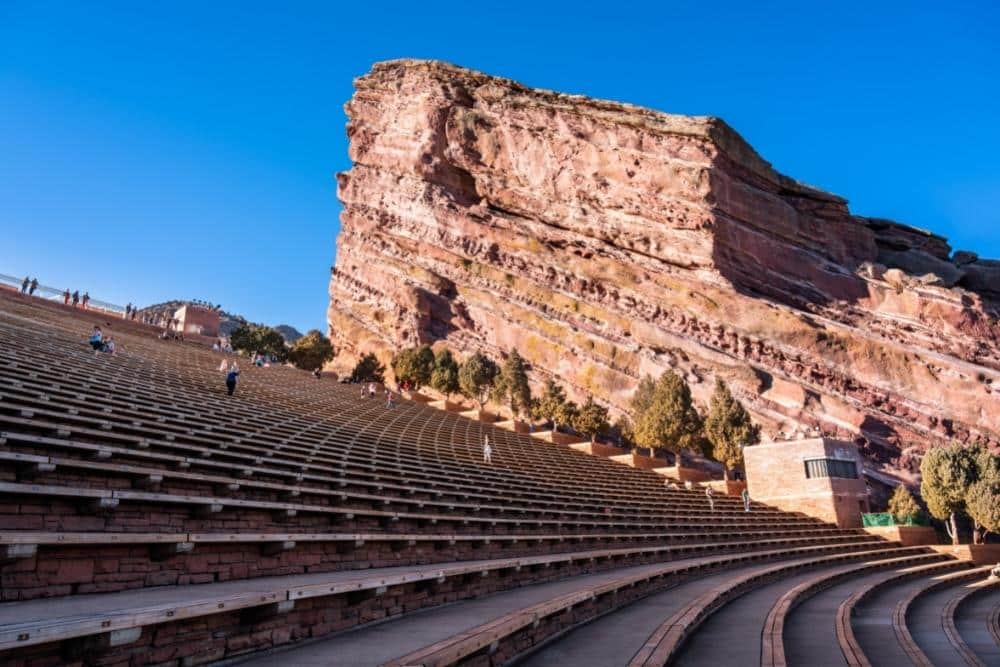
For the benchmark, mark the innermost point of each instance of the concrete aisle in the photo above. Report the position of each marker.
(927, 630)
(378, 643)
(971, 622)
(872, 624)
(732, 635)
(811, 632)
(612, 640)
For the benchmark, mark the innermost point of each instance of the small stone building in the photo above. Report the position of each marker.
(197, 320)
(819, 477)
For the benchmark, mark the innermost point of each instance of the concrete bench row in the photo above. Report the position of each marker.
(47, 621)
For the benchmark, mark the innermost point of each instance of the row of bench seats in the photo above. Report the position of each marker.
(148, 518)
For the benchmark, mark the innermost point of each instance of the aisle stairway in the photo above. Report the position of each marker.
(148, 518)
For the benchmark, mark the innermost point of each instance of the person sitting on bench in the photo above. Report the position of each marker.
(97, 339)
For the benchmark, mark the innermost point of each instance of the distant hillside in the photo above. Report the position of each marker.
(229, 323)
(289, 333)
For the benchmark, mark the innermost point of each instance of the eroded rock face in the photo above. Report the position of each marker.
(607, 241)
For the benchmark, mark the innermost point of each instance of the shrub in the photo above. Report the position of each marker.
(903, 506)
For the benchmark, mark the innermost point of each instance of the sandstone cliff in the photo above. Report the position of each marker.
(606, 241)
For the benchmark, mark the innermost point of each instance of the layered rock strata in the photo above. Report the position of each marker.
(606, 241)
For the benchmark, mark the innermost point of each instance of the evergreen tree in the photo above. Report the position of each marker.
(982, 502)
(311, 351)
(982, 499)
(565, 414)
(947, 473)
(903, 506)
(547, 407)
(511, 385)
(368, 369)
(669, 421)
(445, 375)
(414, 366)
(728, 428)
(624, 431)
(643, 396)
(251, 338)
(592, 419)
(476, 376)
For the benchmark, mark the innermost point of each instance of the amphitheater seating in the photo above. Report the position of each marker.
(148, 518)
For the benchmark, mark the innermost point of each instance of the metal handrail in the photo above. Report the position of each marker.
(53, 294)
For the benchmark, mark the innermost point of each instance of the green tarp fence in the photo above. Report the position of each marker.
(886, 519)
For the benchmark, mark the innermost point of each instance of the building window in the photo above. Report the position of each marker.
(831, 468)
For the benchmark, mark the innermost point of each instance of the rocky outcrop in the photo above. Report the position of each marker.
(607, 241)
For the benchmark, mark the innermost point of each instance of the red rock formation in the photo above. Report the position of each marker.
(606, 241)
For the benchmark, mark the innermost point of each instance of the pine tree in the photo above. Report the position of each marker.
(445, 375)
(476, 376)
(670, 420)
(511, 385)
(728, 428)
(592, 419)
(903, 506)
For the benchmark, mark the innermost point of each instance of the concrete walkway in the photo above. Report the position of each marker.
(810, 631)
(971, 624)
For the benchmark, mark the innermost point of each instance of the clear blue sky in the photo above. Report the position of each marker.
(187, 150)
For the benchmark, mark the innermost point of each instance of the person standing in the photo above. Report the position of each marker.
(33, 287)
(487, 450)
(745, 495)
(76, 297)
(86, 299)
(231, 376)
(711, 500)
(24, 285)
(66, 297)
